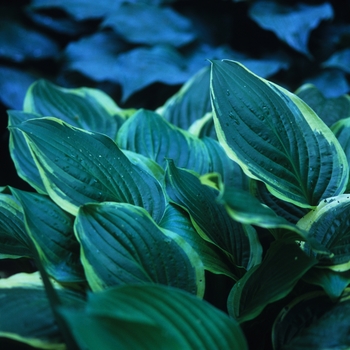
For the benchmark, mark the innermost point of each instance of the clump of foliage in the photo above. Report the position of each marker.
(141, 220)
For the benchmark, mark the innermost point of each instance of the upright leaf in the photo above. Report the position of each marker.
(78, 167)
(121, 244)
(164, 317)
(210, 218)
(275, 137)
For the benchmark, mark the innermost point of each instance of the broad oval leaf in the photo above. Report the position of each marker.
(121, 244)
(284, 264)
(51, 230)
(329, 224)
(78, 167)
(86, 108)
(26, 316)
(275, 137)
(165, 318)
(150, 134)
(176, 29)
(14, 240)
(291, 24)
(339, 59)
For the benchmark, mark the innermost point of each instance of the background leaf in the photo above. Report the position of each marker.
(339, 59)
(164, 317)
(291, 24)
(121, 244)
(275, 137)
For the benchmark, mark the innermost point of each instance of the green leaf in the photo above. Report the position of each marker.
(177, 220)
(165, 318)
(210, 218)
(176, 29)
(148, 133)
(86, 108)
(330, 110)
(332, 282)
(275, 137)
(51, 230)
(190, 103)
(339, 59)
(284, 264)
(297, 316)
(14, 241)
(143, 66)
(20, 43)
(26, 315)
(341, 130)
(20, 151)
(78, 167)
(329, 224)
(121, 244)
(330, 331)
(292, 25)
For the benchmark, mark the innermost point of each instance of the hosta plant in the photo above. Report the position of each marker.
(141, 223)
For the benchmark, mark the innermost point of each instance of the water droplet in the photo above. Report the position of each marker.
(227, 93)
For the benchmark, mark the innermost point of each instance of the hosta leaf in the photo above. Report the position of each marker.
(289, 211)
(121, 244)
(298, 315)
(331, 82)
(282, 267)
(51, 230)
(148, 133)
(177, 220)
(20, 152)
(14, 241)
(275, 137)
(19, 43)
(95, 56)
(143, 66)
(164, 318)
(330, 110)
(332, 282)
(78, 167)
(329, 225)
(339, 59)
(86, 108)
(26, 315)
(79, 9)
(330, 331)
(14, 83)
(176, 29)
(191, 103)
(291, 24)
(210, 218)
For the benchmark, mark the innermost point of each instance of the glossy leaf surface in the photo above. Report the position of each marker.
(275, 137)
(164, 318)
(121, 244)
(78, 167)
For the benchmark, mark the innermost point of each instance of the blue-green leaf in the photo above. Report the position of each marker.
(164, 317)
(275, 137)
(121, 244)
(339, 59)
(78, 167)
(291, 24)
